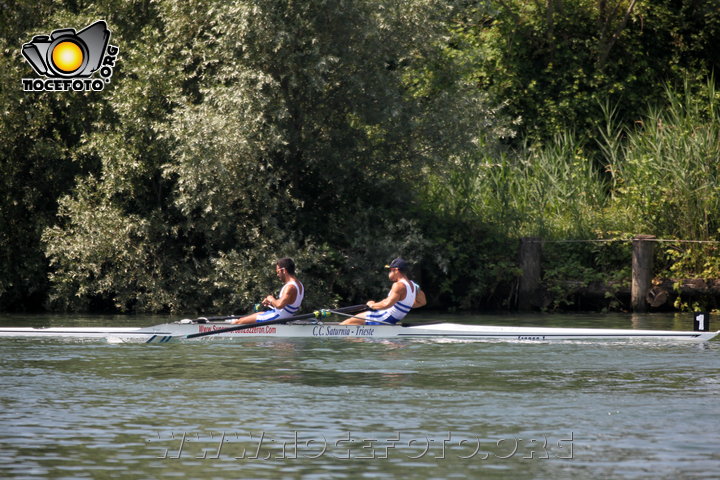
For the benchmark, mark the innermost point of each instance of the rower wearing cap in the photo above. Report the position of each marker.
(404, 295)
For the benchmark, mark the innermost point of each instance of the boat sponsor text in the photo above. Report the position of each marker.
(317, 330)
(342, 331)
(261, 329)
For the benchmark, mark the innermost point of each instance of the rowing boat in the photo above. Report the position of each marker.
(313, 329)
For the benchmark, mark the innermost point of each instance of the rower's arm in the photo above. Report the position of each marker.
(396, 293)
(420, 299)
(286, 299)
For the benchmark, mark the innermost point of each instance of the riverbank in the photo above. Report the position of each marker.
(665, 295)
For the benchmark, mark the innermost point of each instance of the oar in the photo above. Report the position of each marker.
(338, 312)
(315, 314)
(257, 307)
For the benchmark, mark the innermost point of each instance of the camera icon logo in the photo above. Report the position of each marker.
(66, 55)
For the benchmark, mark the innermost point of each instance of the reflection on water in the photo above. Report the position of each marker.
(335, 408)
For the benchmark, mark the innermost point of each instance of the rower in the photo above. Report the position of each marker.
(288, 303)
(404, 295)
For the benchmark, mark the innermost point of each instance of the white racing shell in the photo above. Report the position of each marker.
(177, 331)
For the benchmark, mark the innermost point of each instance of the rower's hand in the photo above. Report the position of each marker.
(371, 304)
(268, 301)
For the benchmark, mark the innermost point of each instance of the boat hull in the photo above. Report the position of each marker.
(177, 331)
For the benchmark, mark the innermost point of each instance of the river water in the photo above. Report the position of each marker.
(342, 408)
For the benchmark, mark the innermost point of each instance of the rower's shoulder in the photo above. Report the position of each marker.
(399, 285)
(295, 283)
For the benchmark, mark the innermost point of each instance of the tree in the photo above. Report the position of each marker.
(558, 62)
(255, 129)
(38, 135)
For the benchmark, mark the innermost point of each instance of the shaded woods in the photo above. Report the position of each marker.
(345, 133)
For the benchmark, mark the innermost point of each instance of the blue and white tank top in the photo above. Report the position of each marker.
(402, 307)
(293, 307)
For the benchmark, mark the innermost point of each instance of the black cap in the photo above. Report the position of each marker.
(398, 263)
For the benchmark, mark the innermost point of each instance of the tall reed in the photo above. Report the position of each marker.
(667, 175)
(553, 191)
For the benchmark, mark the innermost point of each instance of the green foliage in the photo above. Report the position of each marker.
(666, 173)
(252, 130)
(102, 254)
(38, 134)
(346, 133)
(469, 266)
(555, 62)
(681, 260)
(552, 191)
(660, 178)
(574, 267)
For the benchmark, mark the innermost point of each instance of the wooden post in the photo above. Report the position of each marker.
(642, 271)
(530, 254)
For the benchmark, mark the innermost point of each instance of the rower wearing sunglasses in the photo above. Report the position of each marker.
(403, 296)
